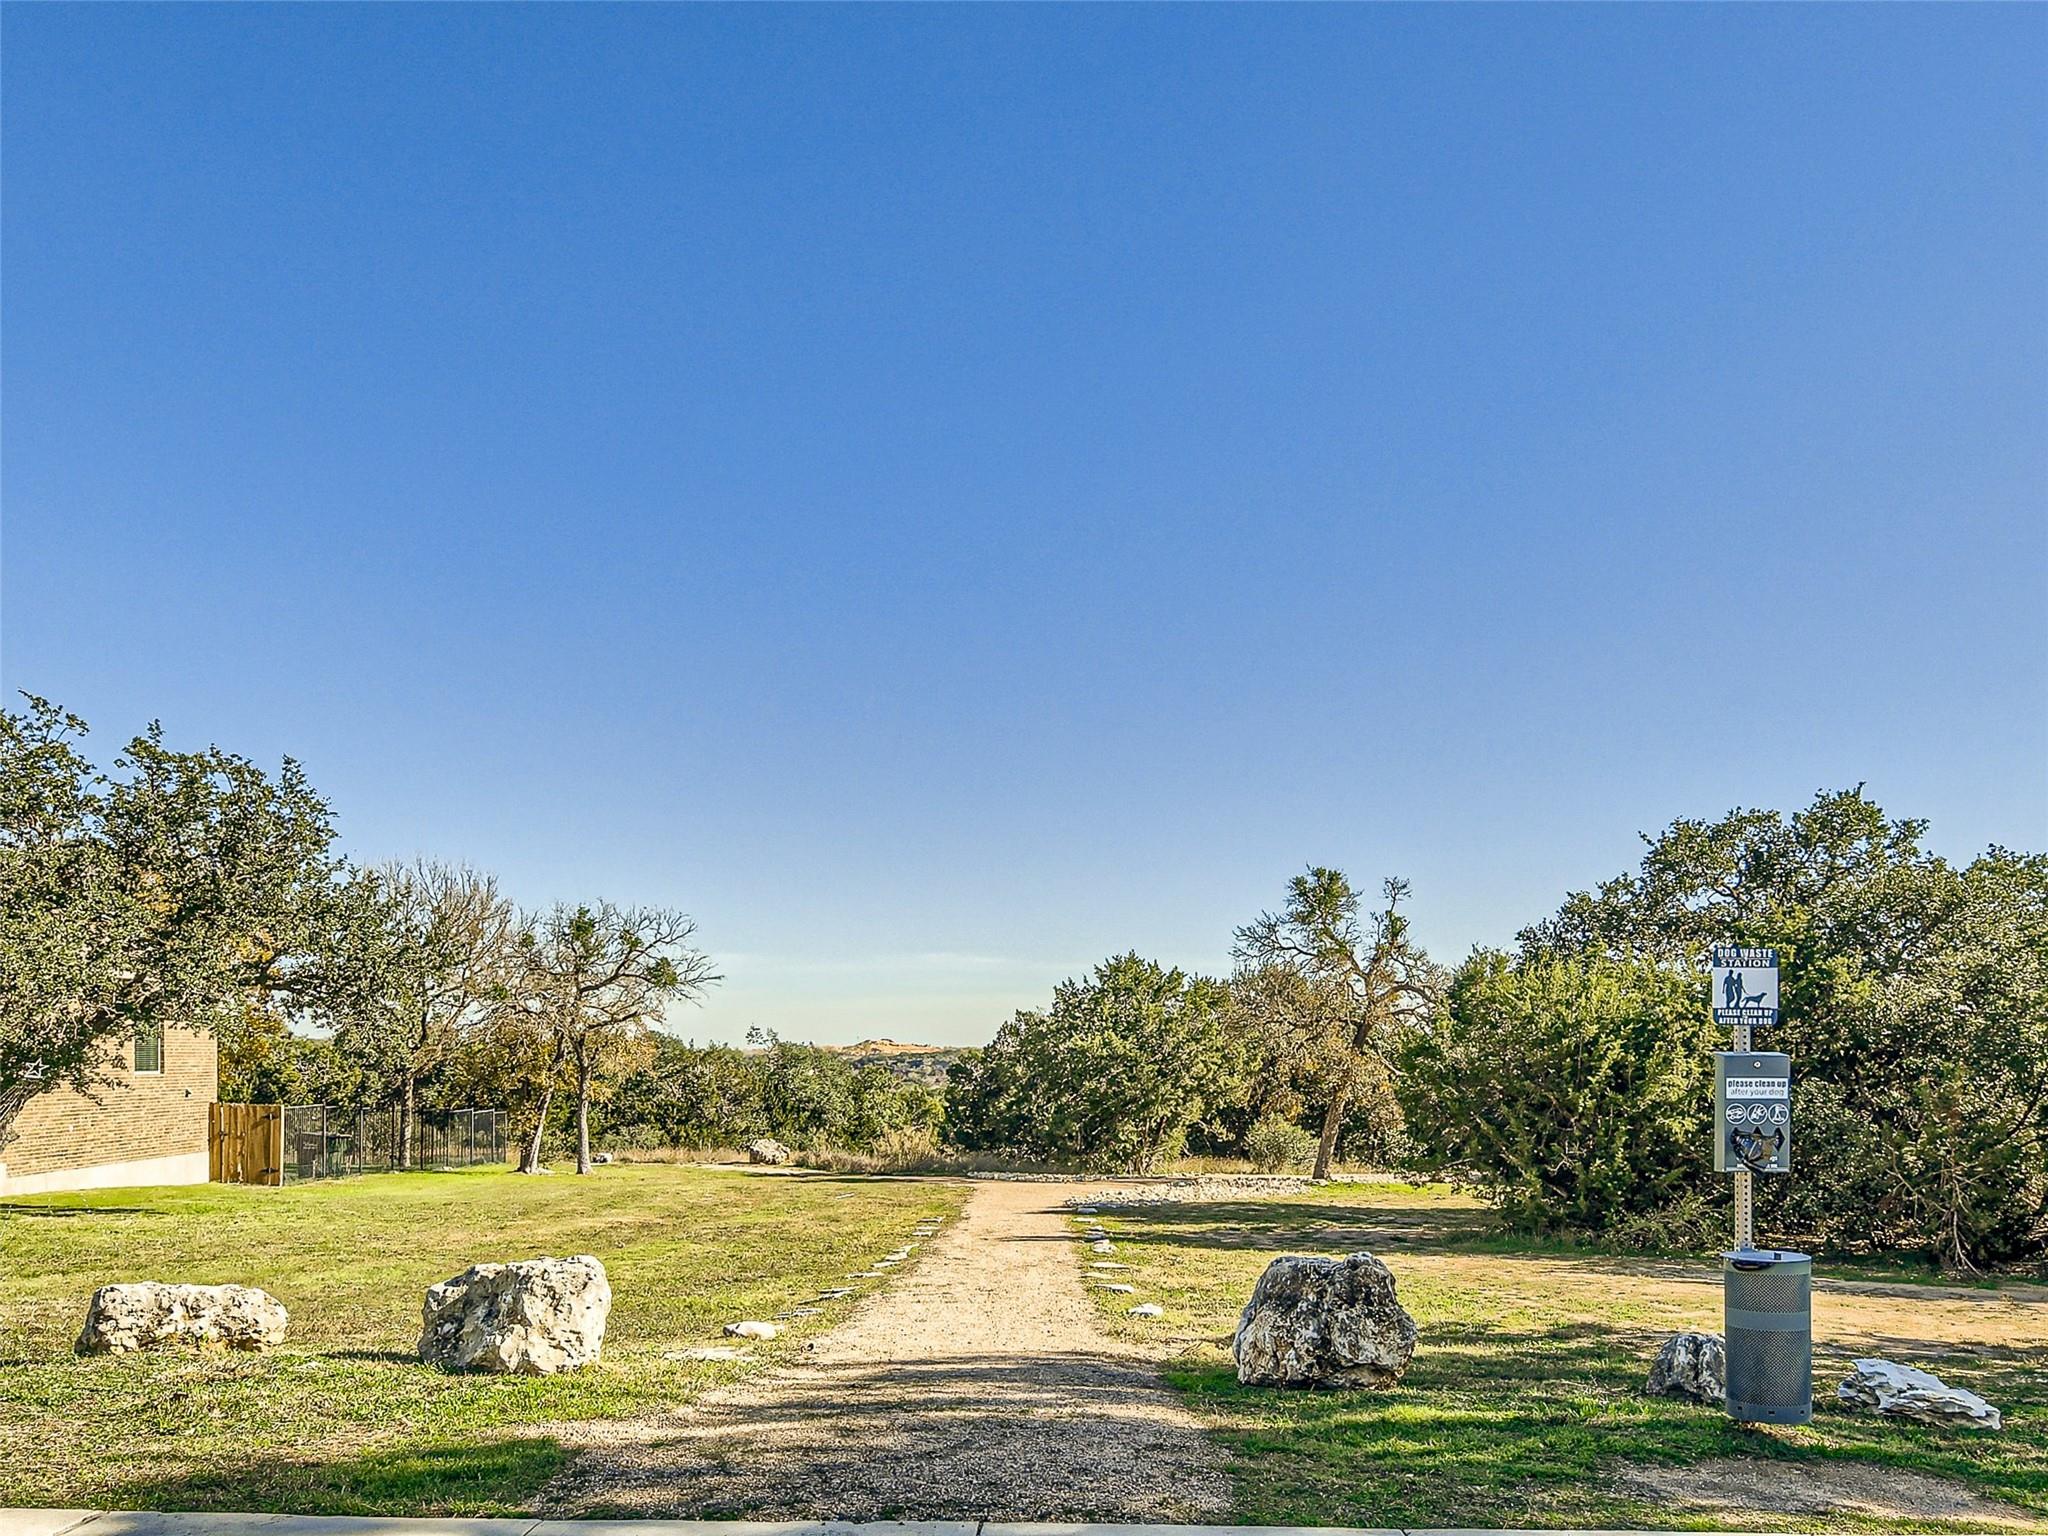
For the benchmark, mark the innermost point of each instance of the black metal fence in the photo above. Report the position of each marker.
(321, 1142)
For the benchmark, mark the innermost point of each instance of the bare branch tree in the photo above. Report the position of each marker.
(598, 973)
(444, 956)
(1365, 980)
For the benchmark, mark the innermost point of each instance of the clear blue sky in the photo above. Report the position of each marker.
(946, 494)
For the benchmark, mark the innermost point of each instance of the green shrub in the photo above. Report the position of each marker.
(1275, 1145)
(1915, 998)
(1570, 1094)
(1112, 1077)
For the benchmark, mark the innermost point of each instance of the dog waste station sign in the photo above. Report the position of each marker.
(1745, 985)
(1766, 1294)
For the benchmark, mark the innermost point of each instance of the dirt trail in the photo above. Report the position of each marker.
(978, 1386)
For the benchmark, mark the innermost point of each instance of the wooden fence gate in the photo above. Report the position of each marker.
(245, 1144)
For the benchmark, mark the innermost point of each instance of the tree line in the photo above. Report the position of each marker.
(1569, 1080)
(192, 889)
(1566, 1079)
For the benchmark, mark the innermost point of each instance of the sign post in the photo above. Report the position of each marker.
(1745, 995)
(1767, 1303)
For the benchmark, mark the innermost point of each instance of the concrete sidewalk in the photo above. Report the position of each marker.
(92, 1522)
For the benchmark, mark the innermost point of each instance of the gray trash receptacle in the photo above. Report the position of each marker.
(1767, 1297)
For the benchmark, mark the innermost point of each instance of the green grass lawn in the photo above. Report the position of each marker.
(1524, 1404)
(343, 1418)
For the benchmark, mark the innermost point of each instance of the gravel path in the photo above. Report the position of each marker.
(978, 1386)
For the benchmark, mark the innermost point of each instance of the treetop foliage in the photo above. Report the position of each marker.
(1114, 1074)
(165, 893)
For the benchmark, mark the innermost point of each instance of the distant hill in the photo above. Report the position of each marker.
(925, 1064)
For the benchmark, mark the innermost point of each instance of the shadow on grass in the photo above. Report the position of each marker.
(1279, 1226)
(444, 1477)
(11, 1208)
(1489, 1425)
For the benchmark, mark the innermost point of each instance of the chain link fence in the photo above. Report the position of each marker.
(321, 1142)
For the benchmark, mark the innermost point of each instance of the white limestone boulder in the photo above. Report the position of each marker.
(149, 1315)
(1693, 1365)
(1901, 1392)
(535, 1317)
(769, 1151)
(1324, 1323)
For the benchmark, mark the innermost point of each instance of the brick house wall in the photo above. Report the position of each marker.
(149, 1128)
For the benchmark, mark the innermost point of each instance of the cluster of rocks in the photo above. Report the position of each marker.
(1695, 1366)
(533, 1317)
(1101, 1267)
(879, 1269)
(1196, 1189)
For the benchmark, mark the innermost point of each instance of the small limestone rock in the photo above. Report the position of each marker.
(1106, 1265)
(835, 1293)
(148, 1314)
(751, 1330)
(898, 1256)
(1084, 1210)
(1901, 1392)
(865, 1274)
(1146, 1309)
(769, 1151)
(601, 1157)
(531, 1318)
(1691, 1365)
(1102, 1246)
(1112, 1286)
(1324, 1323)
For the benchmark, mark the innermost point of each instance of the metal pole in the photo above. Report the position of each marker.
(1745, 1211)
